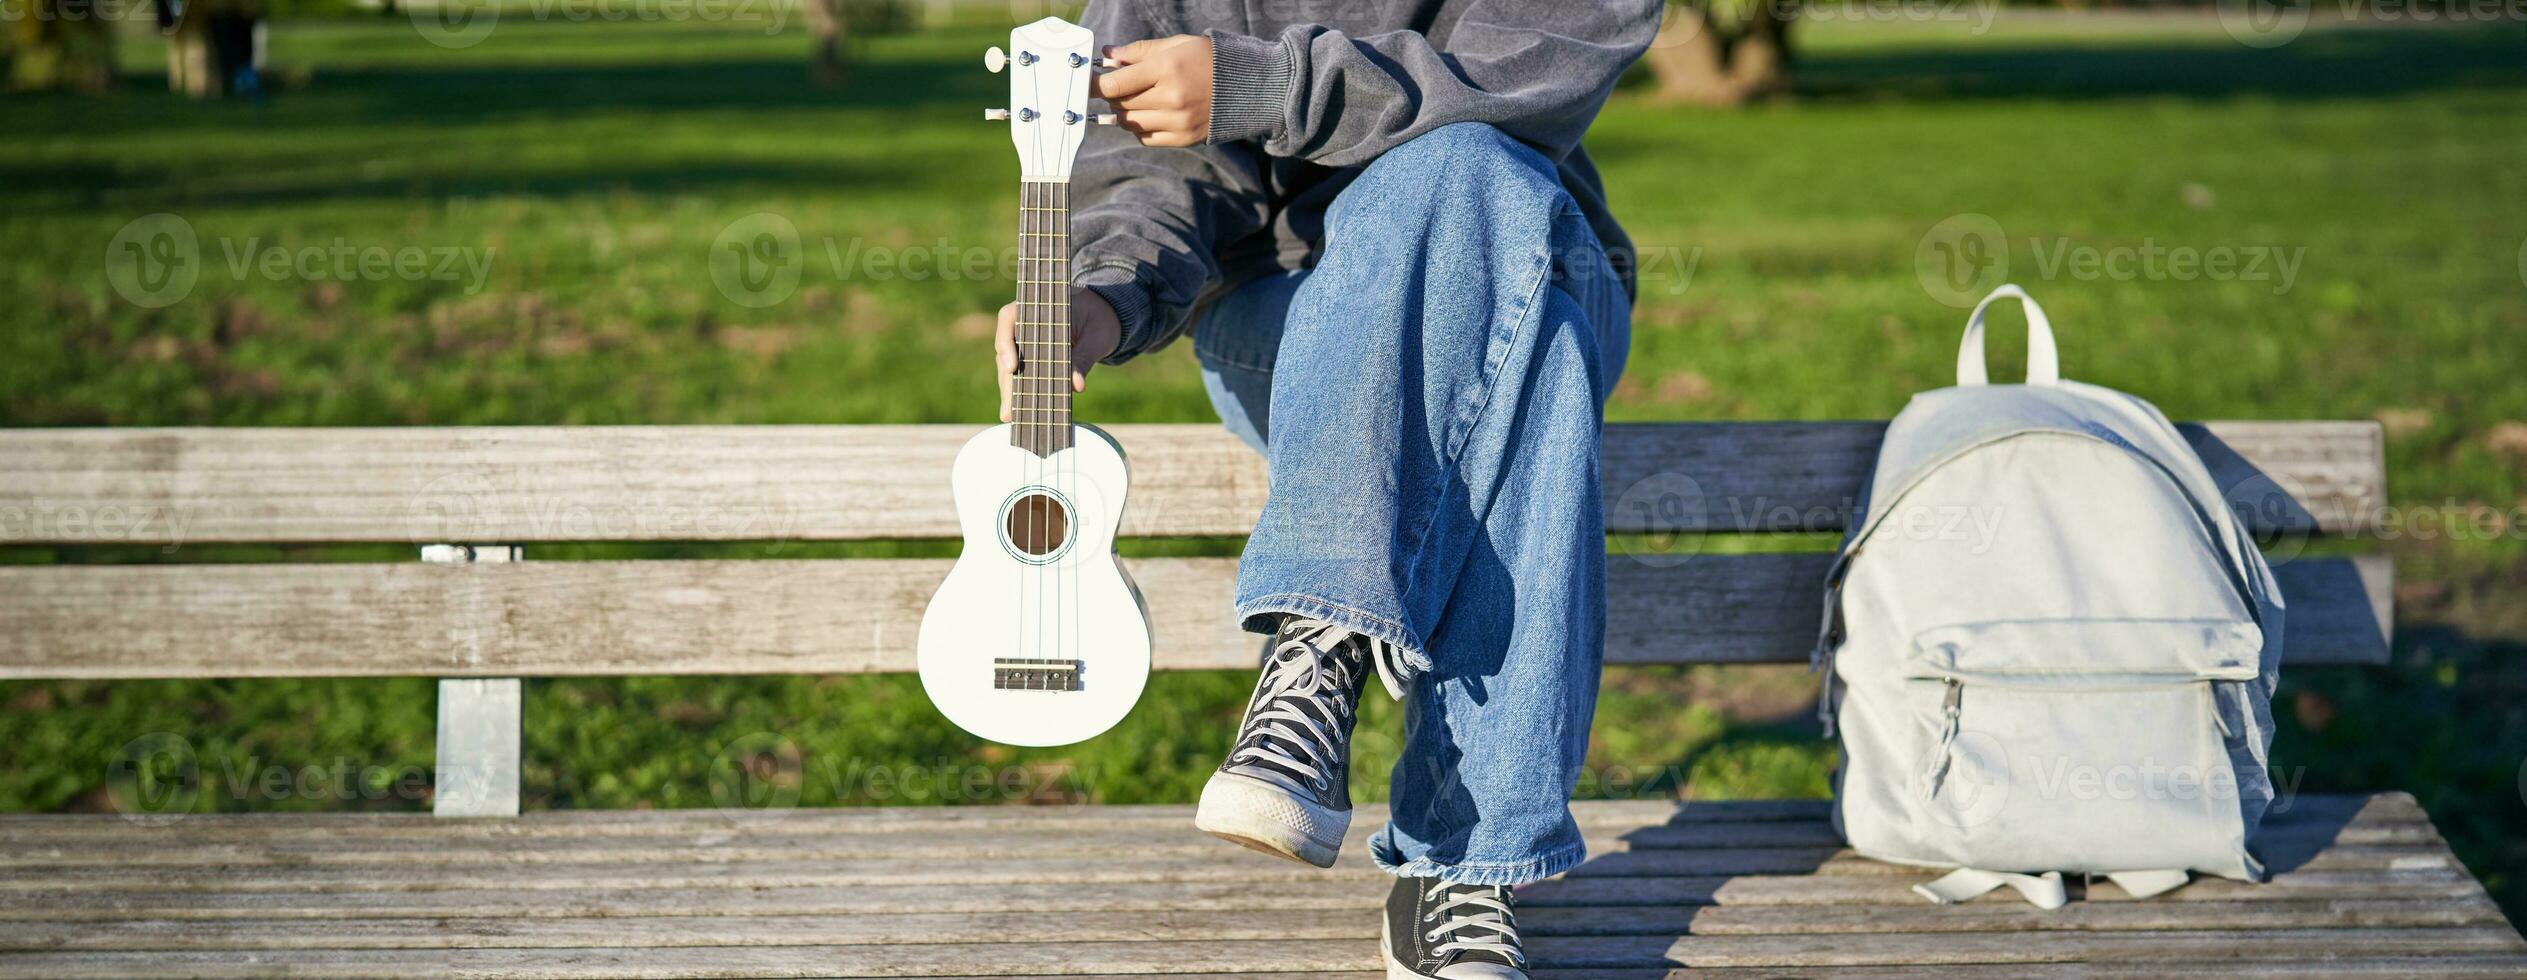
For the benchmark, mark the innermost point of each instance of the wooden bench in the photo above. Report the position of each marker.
(2366, 887)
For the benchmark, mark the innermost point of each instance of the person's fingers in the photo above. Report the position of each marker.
(1005, 354)
(1153, 97)
(1123, 83)
(1081, 362)
(1136, 51)
(1155, 120)
(1157, 124)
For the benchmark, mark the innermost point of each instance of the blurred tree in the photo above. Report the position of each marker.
(56, 44)
(1722, 52)
(214, 47)
(833, 24)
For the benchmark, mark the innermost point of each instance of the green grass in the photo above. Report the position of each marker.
(594, 164)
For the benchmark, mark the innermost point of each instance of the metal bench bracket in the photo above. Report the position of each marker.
(478, 720)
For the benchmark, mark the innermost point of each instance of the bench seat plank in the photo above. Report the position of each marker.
(1354, 919)
(2393, 808)
(833, 961)
(1187, 864)
(2364, 887)
(277, 843)
(2442, 885)
(582, 618)
(814, 482)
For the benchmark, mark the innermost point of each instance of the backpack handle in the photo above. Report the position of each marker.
(2044, 364)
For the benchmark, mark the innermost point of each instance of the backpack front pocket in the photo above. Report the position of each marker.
(2080, 745)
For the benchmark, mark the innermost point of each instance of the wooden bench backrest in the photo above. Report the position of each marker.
(518, 486)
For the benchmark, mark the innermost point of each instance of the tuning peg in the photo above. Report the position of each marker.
(1103, 119)
(995, 59)
(996, 115)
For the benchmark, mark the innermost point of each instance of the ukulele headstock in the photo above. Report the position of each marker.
(1048, 63)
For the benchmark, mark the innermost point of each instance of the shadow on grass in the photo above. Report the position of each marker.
(83, 192)
(2446, 722)
(2329, 64)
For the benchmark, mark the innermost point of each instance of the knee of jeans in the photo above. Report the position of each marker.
(1453, 166)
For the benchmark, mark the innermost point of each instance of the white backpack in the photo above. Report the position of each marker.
(2049, 646)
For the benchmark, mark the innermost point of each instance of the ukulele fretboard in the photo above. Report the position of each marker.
(1039, 401)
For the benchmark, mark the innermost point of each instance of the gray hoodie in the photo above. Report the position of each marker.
(1303, 94)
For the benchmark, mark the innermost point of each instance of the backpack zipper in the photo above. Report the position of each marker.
(1951, 709)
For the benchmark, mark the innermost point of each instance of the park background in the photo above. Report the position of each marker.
(569, 169)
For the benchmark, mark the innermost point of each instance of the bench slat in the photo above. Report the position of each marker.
(281, 847)
(2378, 809)
(1351, 919)
(2364, 908)
(1751, 890)
(2243, 947)
(726, 483)
(749, 869)
(706, 833)
(549, 619)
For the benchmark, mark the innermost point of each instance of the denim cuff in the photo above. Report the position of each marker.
(1382, 851)
(1263, 614)
(1250, 85)
(1118, 287)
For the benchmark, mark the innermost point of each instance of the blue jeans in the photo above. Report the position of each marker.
(1430, 397)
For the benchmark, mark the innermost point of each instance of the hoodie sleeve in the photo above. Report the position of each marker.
(1147, 223)
(1538, 71)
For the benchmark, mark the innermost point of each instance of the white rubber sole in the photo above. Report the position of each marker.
(1395, 969)
(1263, 817)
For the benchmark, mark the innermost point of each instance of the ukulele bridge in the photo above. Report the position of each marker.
(1021, 674)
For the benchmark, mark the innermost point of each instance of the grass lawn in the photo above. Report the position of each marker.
(586, 170)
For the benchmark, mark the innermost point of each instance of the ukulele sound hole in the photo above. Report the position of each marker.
(1038, 525)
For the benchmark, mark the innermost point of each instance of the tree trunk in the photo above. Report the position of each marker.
(1759, 63)
(825, 28)
(1696, 62)
(44, 47)
(1690, 60)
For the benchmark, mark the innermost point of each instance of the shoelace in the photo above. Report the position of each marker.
(1483, 911)
(1305, 709)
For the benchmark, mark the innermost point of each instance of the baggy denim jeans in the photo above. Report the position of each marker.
(1430, 396)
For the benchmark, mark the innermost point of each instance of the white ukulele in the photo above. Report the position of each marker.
(1038, 637)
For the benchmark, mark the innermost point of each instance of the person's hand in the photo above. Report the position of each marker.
(1094, 332)
(1162, 92)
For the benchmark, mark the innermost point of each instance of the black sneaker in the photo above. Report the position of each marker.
(1435, 929)
(1285, 788)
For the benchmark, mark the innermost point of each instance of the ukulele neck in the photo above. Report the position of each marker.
(1039, 401)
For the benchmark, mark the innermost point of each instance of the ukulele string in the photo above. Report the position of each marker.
(1039, 517)
(1035, 513)
(1049, 615)
(1018, 637)
(1066, 470)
